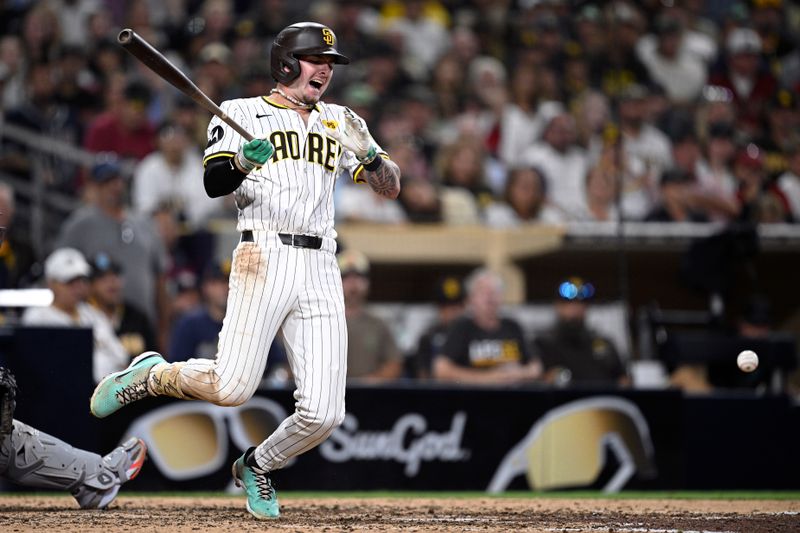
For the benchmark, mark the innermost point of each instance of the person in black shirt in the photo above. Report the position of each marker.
(449, 296)
(483, 347)
(131, 325)
(570, 350)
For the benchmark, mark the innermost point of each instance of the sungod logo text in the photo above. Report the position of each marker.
(408, 442)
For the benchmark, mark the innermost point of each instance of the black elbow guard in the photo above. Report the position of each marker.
(221, 177)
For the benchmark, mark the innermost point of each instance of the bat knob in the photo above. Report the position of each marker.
(125, 36)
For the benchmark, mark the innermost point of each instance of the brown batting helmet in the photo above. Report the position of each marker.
(303, 38)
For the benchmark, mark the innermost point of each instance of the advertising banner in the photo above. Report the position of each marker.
(421, 436)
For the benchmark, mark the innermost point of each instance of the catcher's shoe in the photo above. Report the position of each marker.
(120, 466)
(262, 500)
(126, 386)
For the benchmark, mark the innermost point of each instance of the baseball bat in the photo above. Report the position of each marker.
(155, 61)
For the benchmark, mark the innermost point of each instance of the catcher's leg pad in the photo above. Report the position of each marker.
(8, 401)
(36, 459)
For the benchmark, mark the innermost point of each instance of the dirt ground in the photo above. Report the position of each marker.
(328, 515)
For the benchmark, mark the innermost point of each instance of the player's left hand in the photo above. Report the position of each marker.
(252, 155)
(353, 135)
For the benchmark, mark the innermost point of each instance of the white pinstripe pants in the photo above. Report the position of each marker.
(297, 292)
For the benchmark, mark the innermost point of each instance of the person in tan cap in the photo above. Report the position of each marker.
(372, 352)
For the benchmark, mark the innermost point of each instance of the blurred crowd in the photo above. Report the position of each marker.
(498, 112)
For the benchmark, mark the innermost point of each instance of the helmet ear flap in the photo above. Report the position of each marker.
(284, 66)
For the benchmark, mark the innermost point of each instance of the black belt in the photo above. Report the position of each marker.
(298, 241)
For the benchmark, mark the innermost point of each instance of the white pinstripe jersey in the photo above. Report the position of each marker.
(293, 191)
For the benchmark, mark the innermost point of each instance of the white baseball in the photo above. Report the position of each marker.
(747, 361)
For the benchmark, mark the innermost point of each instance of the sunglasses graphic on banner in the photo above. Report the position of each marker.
(566, 448)
(187, 440)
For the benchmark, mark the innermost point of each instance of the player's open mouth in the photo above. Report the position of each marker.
(317, 84)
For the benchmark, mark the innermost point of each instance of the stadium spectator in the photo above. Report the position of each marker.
(183, 289)
(678, 202)
(592, 113)
(196, 333)
(100, 27)
(525, 201)
(372, 353)
(18, 259)
(420, 28)
(487, 94)
(647, 153)
(74, 17)
(267, 18)
(215, 63)
(139, 15)
(714, 172)
(789, 181)
(215, 25)
(106, 224)
(461, 165)
(41, 113)
(124, 128)
(520, 125)
(106, 282)
(12, 67)
(573, 353)
(772, 20)
(67, 273)
(782, 130)
(618, 66)
(601, 188)
(590, 32)
(107, 64)
(747, 78)
(41, 33)
(420, 200)
(548, 41)
(167, 178)
(760, 199)
(361, 204)
(77, 86)
(417, 104)
(448, 86)
(675, 59)
(563, 163)
(482, 346)
(407, 152)
(449, 300)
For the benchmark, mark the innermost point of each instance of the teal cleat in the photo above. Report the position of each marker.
(118, 389)
(262, 500)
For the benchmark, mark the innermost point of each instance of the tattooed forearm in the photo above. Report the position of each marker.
(385, 180)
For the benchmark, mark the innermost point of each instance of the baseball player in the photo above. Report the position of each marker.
(284, 277)
(35, 459)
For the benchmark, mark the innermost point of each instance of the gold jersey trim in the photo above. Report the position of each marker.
(208, 158)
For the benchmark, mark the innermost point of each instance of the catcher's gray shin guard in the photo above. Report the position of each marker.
(36, 459)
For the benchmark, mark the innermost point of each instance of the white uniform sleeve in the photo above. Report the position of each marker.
(349, 162)
(224, 141)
